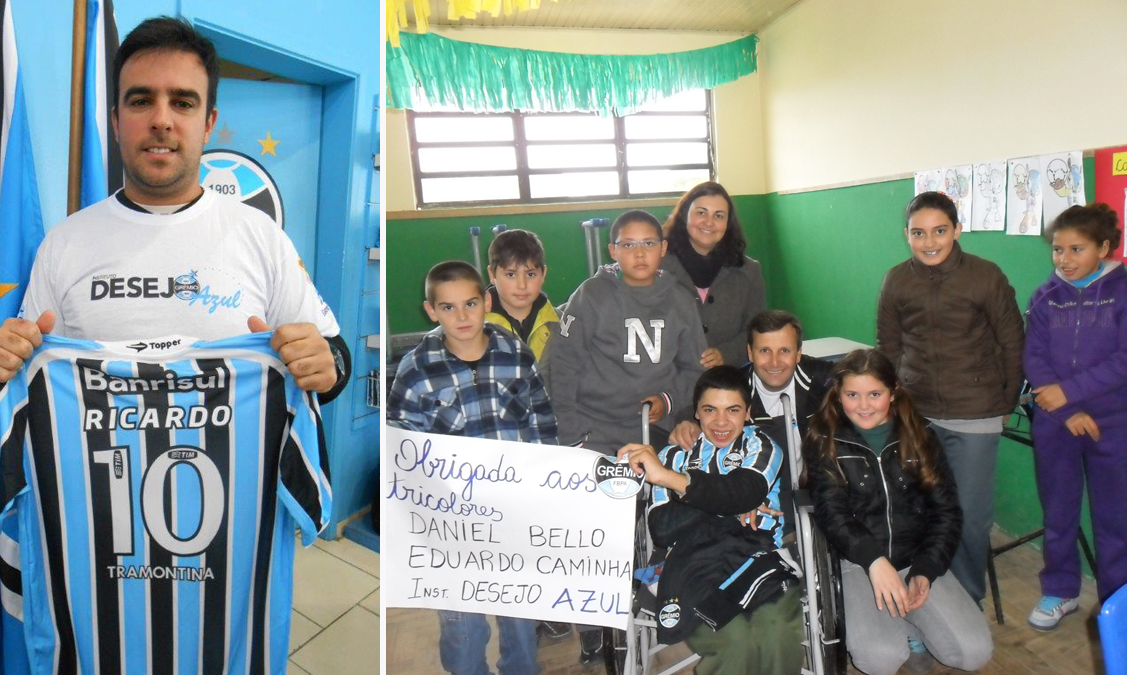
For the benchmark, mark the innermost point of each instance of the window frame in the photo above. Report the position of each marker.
(523, 171)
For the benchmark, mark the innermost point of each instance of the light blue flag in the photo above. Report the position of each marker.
(101, 160)
(21, 224)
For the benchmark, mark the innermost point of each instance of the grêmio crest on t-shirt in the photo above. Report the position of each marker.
(215, 291)
(112, 273)
(158, 484)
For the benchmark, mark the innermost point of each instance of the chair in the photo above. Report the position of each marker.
(1113, 632)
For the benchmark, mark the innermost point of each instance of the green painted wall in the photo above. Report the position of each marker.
(824, 256)
(829, 251)
(417, 245)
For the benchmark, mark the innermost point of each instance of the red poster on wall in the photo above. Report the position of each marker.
(1111, 183)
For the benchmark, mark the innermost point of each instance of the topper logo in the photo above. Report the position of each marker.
(616, 480)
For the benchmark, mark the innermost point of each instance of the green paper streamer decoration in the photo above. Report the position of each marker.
(429, 71)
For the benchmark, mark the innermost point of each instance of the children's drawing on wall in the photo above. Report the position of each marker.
(989, 209)
(1062, 182)
(1023, 202)
(957, 185)
(929, 181)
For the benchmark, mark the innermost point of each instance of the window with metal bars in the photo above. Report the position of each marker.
(467, 159)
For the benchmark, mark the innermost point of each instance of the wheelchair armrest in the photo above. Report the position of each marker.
(802, 501)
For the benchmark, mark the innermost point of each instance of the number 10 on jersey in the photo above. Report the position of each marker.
(154, 487)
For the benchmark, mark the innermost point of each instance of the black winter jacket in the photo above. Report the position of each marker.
(882, 511)
(715, 568)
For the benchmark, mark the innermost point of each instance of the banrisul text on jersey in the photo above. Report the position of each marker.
(157, 495)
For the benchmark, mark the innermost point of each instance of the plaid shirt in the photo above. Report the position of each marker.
(502, 398)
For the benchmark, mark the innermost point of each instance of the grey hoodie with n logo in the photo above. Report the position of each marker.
(616, 345)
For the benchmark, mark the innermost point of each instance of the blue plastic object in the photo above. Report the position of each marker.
(1113, 632)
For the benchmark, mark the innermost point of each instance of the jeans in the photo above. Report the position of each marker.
(463, 637)
(973, 459)
(949, 623)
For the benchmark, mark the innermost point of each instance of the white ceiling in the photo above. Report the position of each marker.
(743, 16)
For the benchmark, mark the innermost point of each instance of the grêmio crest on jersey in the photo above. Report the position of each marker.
(158, 484)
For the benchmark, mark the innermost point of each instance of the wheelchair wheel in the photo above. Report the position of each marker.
(615, 650)
(831, 611)
(616, 642)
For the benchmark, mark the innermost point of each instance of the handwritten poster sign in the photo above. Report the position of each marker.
(504, 528)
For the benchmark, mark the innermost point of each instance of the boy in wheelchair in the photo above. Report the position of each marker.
(728, 590)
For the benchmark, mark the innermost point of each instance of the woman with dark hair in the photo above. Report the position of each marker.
(707, 247)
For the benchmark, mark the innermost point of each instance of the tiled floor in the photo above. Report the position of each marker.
(335, 626)
(1073, 649)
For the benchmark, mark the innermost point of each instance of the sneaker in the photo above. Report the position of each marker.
(920, 660)
(1047, 614)
(552, 632)
(591, 647)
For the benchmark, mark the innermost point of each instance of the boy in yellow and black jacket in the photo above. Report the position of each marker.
(516, 271)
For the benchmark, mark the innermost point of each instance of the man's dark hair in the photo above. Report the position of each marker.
(773, 320)
(451, 270)
(727, 378)
(932, 200)
(516, 247)
(165, 33)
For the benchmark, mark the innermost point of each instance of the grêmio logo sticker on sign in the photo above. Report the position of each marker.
(240, 176)
(616, 479)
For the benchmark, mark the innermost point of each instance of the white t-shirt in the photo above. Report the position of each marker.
(112, 273)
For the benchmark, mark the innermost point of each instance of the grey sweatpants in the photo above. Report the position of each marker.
(950, 625)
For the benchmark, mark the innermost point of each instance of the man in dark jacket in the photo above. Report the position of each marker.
(774, 345)
(728, 590)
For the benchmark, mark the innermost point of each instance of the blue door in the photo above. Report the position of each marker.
(266, 150)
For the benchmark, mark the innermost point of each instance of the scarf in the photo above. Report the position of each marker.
(702, 269)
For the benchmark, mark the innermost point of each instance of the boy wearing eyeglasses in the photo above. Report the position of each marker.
(626, 336)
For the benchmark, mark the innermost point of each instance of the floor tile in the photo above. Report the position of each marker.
(301, 631)
(350, 646)
(372, 602)
(352, 553)
(326, 587)
(294, 669)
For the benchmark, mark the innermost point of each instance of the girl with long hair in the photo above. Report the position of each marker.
(885, 498)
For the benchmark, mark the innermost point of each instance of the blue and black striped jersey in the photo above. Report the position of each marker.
(753, 450)
(157, 485)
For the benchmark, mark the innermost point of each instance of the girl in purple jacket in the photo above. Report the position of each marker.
(1076, 360)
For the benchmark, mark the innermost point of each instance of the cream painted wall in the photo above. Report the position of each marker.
(870, 88)
(736, 112)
